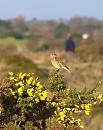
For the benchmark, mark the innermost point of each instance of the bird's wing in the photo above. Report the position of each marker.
(65, 67)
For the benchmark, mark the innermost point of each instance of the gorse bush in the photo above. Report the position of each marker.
(26, 98)
(26, 103)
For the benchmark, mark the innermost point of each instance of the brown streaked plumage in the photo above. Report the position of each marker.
(57, 63)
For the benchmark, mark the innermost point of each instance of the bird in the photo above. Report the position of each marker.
(57, 63)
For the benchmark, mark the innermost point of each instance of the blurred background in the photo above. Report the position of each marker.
(31, 30)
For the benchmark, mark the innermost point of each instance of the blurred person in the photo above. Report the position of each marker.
(69, 47)
(69, 44)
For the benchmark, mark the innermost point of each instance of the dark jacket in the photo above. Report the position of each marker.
(69, 45)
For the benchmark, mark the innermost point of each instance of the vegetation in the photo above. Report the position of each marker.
(56, 100)
(25, 103)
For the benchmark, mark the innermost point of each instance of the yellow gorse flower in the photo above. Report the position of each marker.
(38, 84)
(87, 112)
(87, 109)
(43, 95)
(20, 90)
(22, 75)
(33, 82)
(11, 73)
(83, 106)
(19, 84)
(11, 78)
(79, 121)
(81, 126)
(39, 87)
(62, 116)
(29, 81)
(30, 91)
(100, 97)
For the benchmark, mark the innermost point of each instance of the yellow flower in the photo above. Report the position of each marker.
(38, 84)
(28, 75)
(95, 103)
(79, 120)
(58, 108)
(37, 100)
(33, 82)
(53, 103)
(87, 112)
(64, 125)
(43, 95)
(72, 121)
(62, 116)
(11, 73)
(20, 90)
(82, 106)
(100, 97)
(81, 126)
(11, 78)
(40, 87)
(29, 81)
(19, 84)
(87, 109)
(79, 97)
(30, 91)
(42, 98)
(64, 110)
(22, 75)
(87, 106)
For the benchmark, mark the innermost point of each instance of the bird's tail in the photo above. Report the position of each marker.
(66, 68)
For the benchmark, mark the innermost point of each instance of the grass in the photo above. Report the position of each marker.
(10, 41)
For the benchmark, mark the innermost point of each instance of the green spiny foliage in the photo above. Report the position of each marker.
(56, 82)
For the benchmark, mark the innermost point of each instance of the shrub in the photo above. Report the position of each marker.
(25, 103)
(92, 52)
